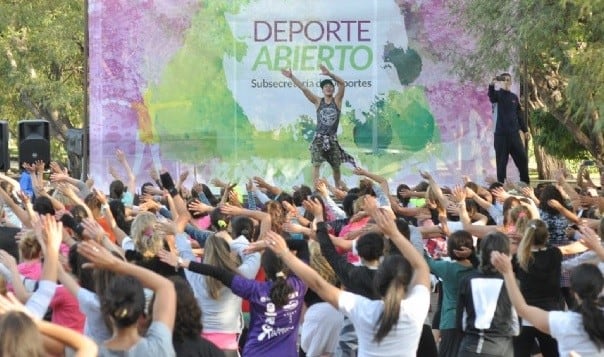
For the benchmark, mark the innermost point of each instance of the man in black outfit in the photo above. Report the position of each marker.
(508, 127)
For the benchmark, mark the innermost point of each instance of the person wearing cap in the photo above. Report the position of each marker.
(325, 145)
(508, 127)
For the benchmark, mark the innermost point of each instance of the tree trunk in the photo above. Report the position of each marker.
(547, 165)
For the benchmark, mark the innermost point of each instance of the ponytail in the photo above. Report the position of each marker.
(536, 233)
(587, 281)
(277, 272)
(280, 290)
(392, 308)
(391, 282)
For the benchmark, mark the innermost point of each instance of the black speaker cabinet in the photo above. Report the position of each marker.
(4, 155)
(34, 141)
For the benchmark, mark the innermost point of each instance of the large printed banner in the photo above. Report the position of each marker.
(197, 85)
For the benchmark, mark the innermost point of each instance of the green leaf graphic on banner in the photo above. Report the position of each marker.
(194, 112)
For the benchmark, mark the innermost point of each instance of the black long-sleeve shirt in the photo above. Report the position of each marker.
(356, 279)
(509, 115)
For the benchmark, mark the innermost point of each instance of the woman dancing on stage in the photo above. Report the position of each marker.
(325, 146)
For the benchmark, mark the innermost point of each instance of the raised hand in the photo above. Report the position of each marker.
(324, 70)
(154, 174)
(385, 223)
(11, 303)
(53, 233)
(218, 183)
(93, 230)
(260, 182)
(29, 167)
(168, 257)
(183, 176)
(289, 208)
(198, 206)
(313, 206)
(500, 194)
(460, 193)
(370, 204)
(321, 187)
(501, 262)
(590, 238)
(404, 193)
(249, 186)
(425, 175)
(234, 199)
(359, 171)
(97, 255)
(119, 154)
(231, 210)
(276, 243)
(100, 196)
(55, 168)
(39, 165)
(287, 72)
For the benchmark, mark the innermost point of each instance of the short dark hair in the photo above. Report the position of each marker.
(326, 82)
(370, 246)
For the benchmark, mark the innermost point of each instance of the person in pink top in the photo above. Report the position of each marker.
(31, 252)
(66, 310)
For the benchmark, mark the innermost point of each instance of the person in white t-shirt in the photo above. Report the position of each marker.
(579, 331)
(388, 327)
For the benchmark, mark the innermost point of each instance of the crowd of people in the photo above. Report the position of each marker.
(171, 270)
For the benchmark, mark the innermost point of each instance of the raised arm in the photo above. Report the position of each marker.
(307, 93)
(421, 271)
(164, 308)
(325, 290)
(534, 315)
(263, 217)
(339, 96)
(442, 200)
(82, 345)
(131, 181)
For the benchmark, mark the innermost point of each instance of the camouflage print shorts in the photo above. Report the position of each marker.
(333, 156)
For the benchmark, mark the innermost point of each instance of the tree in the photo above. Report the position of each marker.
(560, 44)
(42, 61)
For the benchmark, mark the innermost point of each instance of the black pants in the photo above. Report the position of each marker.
(449, 342)
(506, 145)
(523, 344)
(427, 345)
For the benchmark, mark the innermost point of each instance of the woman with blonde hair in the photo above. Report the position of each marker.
(222, 318)
(148, 239)
(538, 269)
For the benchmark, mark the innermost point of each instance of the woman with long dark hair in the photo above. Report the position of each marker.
(124, 303)
(401, 281)
(276, 304)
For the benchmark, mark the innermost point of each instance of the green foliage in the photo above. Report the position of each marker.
(408, 64)
(555, 138)
(219, 121)
(42, 63)
(363, 130)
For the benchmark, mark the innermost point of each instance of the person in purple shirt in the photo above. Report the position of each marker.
(275, 305)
